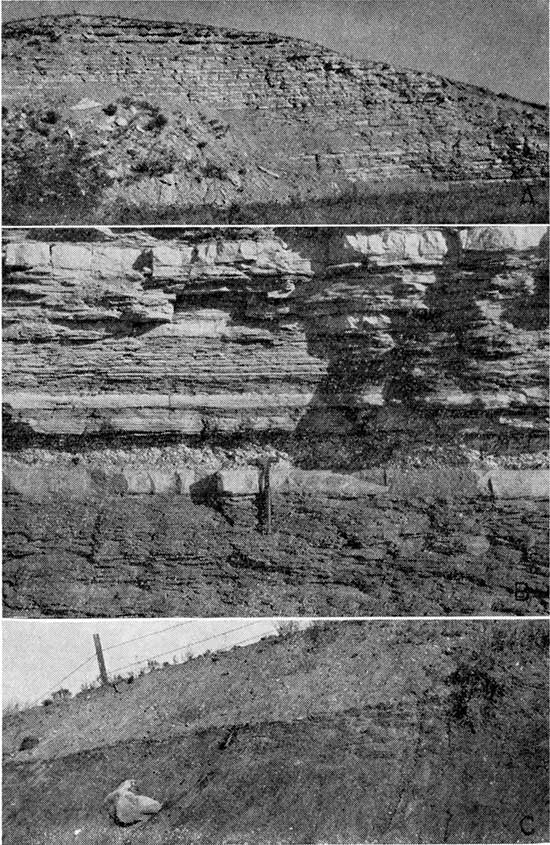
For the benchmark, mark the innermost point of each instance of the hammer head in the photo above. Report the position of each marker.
(263, 463)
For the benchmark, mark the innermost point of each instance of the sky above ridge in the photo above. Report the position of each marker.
(501, 45)
(38, 653)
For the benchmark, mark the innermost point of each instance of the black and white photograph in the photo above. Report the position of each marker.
(408, 111)
(298, 421)
(275, 422)
(275, 731)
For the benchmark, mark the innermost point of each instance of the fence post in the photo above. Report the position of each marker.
(100, 660)
(265, 494)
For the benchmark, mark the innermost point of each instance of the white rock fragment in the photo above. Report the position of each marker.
(27, 254)
(126, 807)
(86, 103)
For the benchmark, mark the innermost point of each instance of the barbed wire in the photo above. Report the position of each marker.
(110, 648)
(187, 645)
(57, 685)
(151, 634)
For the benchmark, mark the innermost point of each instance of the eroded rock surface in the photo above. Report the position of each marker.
(160, 115)
(230, 333)
(272, 725)
(396, 379)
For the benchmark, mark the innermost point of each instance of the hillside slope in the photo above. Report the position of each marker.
(119, 120)
(347, 732)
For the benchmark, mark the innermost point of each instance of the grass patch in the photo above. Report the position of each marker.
(40, 195)
(50, 179)
(484, 202)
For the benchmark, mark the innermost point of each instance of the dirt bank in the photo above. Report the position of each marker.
(351, 732)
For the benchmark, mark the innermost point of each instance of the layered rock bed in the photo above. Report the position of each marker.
(396, 380)
(126, 115)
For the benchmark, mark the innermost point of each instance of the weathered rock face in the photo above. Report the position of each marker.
(205, 334)
(123, 101)
(396, 377)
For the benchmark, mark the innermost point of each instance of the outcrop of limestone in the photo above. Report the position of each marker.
(395, 377)
(117, 116)
(233, 331)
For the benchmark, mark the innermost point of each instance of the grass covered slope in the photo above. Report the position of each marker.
(345, 732)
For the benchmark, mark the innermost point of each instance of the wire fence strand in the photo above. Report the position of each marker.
(151, 634)
(57, 685)
(187, 645)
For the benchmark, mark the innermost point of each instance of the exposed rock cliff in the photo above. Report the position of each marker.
(227, 332)
(114, 112)
(396, 377)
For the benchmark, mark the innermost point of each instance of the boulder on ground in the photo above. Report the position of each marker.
(39, 484)
(497, 238)
(519, 483)
(126, 807)
(241, 481)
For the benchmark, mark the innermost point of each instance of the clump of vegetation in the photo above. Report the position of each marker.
(57, 696)
(61, 694)
(152, 666)
(158, 121)
(473, 684)
(51, 116)
(28, 743)
(160, 164)
(11, 708)
(48, 174)
(320, 631)
(88, 686)
(123, 679)
(287, 627)
(214, 171)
